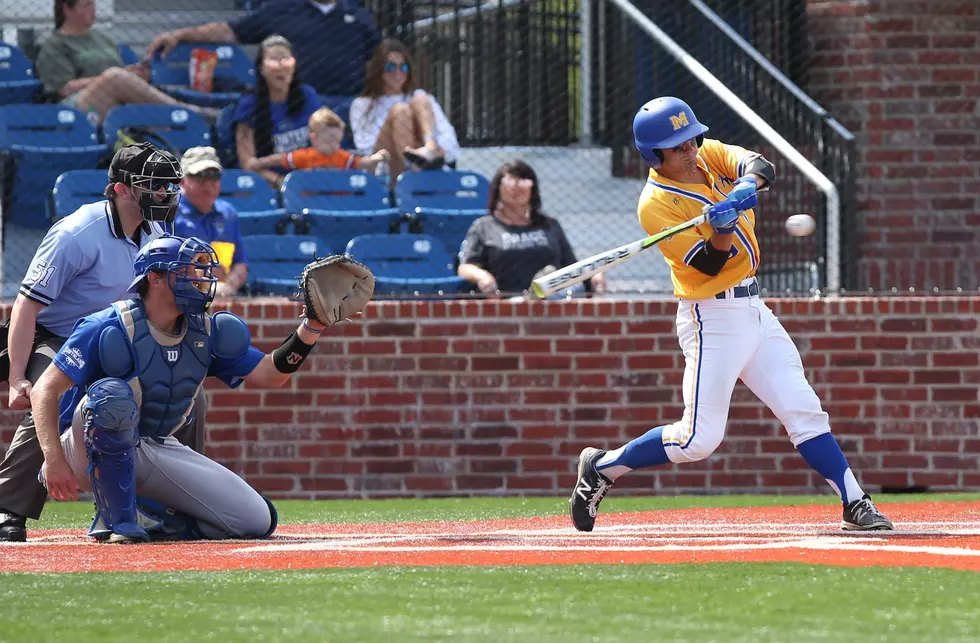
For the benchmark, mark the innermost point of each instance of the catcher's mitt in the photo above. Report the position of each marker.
(335, 288)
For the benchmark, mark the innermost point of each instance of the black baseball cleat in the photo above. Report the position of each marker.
(862, 515)
(13, 528)
(589, 491)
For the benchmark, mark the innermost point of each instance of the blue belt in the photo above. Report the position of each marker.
(740, 292)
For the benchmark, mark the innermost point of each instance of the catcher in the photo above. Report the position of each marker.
(127, 377)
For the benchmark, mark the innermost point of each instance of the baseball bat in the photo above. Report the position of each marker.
(582, 270)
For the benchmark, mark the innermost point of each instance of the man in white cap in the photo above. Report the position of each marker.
(203, 215)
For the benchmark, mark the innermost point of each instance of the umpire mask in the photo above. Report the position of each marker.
(154, 176)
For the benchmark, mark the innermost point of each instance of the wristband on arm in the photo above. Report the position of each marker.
(291, 354)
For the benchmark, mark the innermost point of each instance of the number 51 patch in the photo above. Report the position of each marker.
(41, 272)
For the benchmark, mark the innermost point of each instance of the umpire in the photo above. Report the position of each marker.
(84, 263)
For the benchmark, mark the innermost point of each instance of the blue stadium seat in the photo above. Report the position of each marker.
(442, 204)
(40, 142)
(17, 81)
(406, 264)
(339, 204)
(255, 200)
(276, 261)
(341, 107)
(75, 188)
(129, 57)
(181, 127)
(233, 74)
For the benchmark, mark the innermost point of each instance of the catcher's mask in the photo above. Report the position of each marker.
(154, 176)
(189, 264)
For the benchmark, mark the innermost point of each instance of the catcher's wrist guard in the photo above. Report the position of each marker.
(291, 354)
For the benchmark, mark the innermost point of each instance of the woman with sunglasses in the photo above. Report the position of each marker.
(275, 119)
(516, 242)
(393, 114)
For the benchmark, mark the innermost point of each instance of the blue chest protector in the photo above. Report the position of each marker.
(166, 372)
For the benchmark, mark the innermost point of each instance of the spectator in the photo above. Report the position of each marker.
(507, 249)
(82, 67)
(203, 215)
(333, 38)
(275, 119)
(392, 114)
(326, 134)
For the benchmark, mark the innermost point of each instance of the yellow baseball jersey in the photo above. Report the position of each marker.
(665, 203)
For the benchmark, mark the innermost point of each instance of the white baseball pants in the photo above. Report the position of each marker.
(725, 340)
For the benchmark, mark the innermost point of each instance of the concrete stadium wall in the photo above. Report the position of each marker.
(904, 76)
(440, 398)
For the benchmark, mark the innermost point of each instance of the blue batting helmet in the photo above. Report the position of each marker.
(664, 123)
(189, 264)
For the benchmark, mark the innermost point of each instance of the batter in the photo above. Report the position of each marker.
(726, 332)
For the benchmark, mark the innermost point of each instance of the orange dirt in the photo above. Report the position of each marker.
(936, 534)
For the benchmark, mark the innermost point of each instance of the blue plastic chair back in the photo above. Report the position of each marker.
(45, 126)
(18, 83)
(449, 190)
(409, 256)
(234, 66)
(276, 261)
(339, 204)
(256, 202)
(182, 127)
(43, 141)
(333, 191)
(76, 188)
(404, 264)
(248, 191)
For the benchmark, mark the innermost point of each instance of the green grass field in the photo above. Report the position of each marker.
(714, 602)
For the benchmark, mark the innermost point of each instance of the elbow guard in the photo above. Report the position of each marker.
(763, 168)
(709, 260)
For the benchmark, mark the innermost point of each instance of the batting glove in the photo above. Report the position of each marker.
(743, 196)
(723, 217)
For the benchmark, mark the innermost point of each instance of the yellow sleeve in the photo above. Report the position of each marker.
(658, 212)
(726, 160)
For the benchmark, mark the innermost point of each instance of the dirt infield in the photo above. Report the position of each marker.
(935, 534)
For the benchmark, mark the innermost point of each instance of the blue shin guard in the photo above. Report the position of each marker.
(110, 414)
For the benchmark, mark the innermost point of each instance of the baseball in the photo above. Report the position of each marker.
(800, 225)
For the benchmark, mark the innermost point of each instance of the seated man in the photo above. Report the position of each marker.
(203, 215)
(127, 377)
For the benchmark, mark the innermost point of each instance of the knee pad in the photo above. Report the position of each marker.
(110, 415)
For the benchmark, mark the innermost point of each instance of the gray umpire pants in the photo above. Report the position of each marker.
(20, 491)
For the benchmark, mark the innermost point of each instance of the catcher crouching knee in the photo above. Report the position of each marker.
(129, 375)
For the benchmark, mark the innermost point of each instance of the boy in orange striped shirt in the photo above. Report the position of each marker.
(326, 134)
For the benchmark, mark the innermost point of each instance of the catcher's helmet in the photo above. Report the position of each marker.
(664, 123)
(156, 173)
(189, 264)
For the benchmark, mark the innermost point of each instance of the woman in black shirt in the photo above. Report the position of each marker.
(516, 242)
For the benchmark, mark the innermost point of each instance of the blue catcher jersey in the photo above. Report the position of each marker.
(164, 371)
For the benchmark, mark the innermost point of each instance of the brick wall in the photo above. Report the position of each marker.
(496, 397)
(904, 76)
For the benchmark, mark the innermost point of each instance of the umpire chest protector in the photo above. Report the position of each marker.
(166, 371)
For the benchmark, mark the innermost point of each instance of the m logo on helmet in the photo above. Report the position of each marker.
(679, 121)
